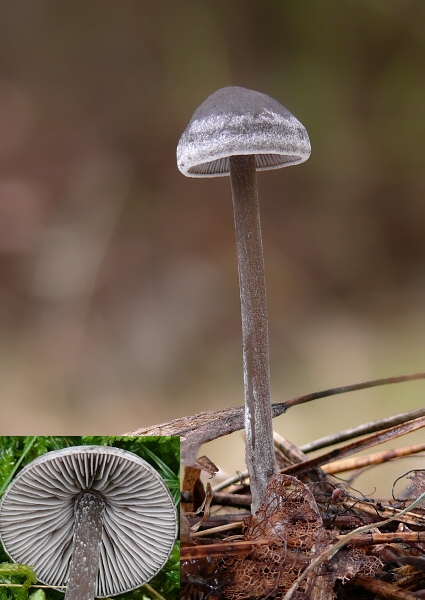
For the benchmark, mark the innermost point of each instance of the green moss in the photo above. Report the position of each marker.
(20, 576)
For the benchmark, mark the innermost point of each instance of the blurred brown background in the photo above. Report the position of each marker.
(119, 299)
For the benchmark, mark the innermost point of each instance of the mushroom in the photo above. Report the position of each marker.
(238, 131)
(99, 518)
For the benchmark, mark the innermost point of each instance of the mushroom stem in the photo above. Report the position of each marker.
(259, 450)
(88, 510)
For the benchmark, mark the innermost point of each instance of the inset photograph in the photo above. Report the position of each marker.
(89, 517)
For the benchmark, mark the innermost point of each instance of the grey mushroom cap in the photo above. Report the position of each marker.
(237, 121)
(139, 519)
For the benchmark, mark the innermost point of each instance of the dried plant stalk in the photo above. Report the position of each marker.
(209, 425)
(360, 462)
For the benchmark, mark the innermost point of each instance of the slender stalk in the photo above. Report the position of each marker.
(89, 508)
(259, 452)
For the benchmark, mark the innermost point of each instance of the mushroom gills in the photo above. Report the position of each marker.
(133, 518)
(262, 162)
